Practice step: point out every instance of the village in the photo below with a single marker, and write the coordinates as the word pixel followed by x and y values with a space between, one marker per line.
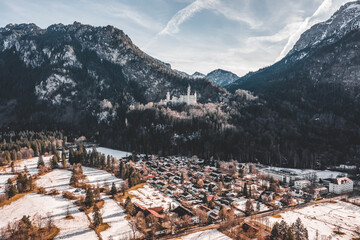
pixel 198 194
pixel 149 197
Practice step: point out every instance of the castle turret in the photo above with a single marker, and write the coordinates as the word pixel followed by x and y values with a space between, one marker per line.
pixel 168 96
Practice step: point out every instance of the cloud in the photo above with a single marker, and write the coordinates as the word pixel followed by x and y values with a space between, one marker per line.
pixel 216 6
pixel 281 35
pixel 181 16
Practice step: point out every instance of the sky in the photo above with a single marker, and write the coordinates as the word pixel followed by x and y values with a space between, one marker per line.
pixel 192 35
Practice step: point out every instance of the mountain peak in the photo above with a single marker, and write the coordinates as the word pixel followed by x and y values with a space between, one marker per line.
pixel 222 77
pixel 198 75
pixel 346 19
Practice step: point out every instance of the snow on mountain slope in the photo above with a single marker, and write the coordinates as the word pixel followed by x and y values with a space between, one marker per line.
pixel 346 19
pixel 222 77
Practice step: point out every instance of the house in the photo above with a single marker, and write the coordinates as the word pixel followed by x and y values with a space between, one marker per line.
pixel 341 185
pixel 301 184
pixel 297 193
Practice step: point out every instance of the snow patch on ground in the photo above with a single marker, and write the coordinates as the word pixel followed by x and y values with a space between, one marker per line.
pixel 3 180
pixel 325 218
pixel 58 179
pixel 96 176
pixel 241 204
pixel 206 235
pixel 30 163
pixel 149 197
pixel 114 215
pixel 35 204
pixel 319 173
pixel 112 152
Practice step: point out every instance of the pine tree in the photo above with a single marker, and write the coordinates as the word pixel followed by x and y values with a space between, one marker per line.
pixel 73 179
pixel 113 190
pixel 14 155
pixel 289 235
pixel 97 218
pixel 89 199
pixel 258 207
pixel 71 156
pixel 130 208
pixel 245 190
pixel 40 161
pixel 97 193
pixel 10 189
pixel 102 161
pixel 54 162
pixel 249 208
pixel 275 232
pixel 63 158
pixel 299 230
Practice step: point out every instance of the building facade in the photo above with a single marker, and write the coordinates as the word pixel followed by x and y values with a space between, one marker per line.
pixel 341 185
pixel 301 184
pixel 188 98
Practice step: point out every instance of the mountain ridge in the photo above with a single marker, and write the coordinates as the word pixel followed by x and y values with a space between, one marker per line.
pixel 64 64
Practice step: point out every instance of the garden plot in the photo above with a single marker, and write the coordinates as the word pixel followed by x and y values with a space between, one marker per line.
pixel 325 218
pixel 149 197
pixel 35 204
pixel 114 215
pixel 241 203
pixel 112 152
pixel 206 235
pixel 96 176
pixel 30 163
pixel 3 180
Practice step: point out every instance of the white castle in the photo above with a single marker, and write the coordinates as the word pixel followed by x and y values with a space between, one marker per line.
pixel 188 99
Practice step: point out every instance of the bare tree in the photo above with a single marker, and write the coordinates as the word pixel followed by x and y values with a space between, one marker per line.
pixel 133 228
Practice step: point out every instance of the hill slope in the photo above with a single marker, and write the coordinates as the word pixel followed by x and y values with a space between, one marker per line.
pixel 73 73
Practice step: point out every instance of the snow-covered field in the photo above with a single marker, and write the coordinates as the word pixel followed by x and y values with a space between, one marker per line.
pixel 355 200
pixel 114 215
pixel 3 180
pixel 35 204
pixel 319 173
pixel 149 197
pixel 96 176
pixel 112 152
pixel 206 235
pixel 30 163
pixel 58 179
pixel 241 203
pixel 325 218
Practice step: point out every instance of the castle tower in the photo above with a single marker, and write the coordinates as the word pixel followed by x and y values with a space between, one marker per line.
pixel 188 95
pixel 168 96
pixel 195 97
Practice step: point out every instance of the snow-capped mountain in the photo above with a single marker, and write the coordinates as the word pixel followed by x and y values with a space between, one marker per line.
pixel 197 75
pixel 83 70
pixel 222 77
pixel 346 19
pixel 316 41
pixel 321 88
pixel 219 76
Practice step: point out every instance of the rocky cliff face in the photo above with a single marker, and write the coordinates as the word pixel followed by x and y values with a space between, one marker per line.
pixel 83 70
